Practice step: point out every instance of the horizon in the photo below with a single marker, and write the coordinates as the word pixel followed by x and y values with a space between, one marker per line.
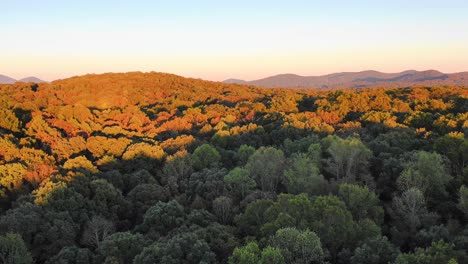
pixel 233 78
pixel 218 41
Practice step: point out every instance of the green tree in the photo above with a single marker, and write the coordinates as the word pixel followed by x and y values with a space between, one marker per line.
pixel 248 254
pixel 455 148
pixel 332 222
pixel 298 246
pixel 361 202
pixel 72 255
pixel 425 172
pixel 463 200
pixel 288 211
pixel 409 210
pixel 377 250
pixel 266 166
pixel 349 158
pixel 161 218
pixel 44 232
pixel 438 252
pixel 238 180
pixel 253 217
pixel 271 255
pixel 122 247
pixel 183 248
pixel 315 153
pixel 205 156
pixel 143 196
pixel 303 175
pixel 97 230
pixel 208 184
pixel 106 200
pixel 178 170
pixel 243 154
pixel 222 208
pixel 13 250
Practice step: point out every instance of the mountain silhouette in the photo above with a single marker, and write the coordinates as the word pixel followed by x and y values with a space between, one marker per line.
pixel 8 80
pixel 360 79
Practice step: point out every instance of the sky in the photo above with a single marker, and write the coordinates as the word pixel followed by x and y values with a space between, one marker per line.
pixel 217 40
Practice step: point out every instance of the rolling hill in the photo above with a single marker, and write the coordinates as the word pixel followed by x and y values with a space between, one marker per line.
pixel 360 80
pixel 8 80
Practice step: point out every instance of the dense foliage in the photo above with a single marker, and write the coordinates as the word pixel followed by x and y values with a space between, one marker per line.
pixel 156 168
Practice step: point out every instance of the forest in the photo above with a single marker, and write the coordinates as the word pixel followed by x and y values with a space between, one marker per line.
pixel 155 168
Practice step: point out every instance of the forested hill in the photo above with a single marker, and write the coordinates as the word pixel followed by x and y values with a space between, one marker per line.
pixel 156 168
pixel 363 79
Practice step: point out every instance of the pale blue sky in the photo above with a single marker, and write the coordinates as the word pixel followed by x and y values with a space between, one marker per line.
pixel 242 39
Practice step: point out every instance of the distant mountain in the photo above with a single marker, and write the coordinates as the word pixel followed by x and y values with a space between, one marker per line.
pixel 31 79
pixel 237 81
pixel 360 80
pixel 8 80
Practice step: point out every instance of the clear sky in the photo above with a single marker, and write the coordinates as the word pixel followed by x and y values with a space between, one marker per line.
pixel 219 39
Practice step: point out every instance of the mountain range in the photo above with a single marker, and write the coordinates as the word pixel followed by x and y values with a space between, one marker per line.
pixel 8 80
pixel 363 79
pixel 342 80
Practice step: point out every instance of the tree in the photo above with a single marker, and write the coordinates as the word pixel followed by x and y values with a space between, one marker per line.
pixel 248 254
pixel 271 255
pixel 251 254
pixel 253 217
pixel 266 166
pixel 122 247
pixel 105 199
pixel 438 252
pixel 161 218
pixel 72 255
pixel 144 196
pixel 425 172
pixel 348 160
pixel 44 232
pixel 208 184
pixel 97 230
pixel 179 168
pixel 455 147
pixel 9 120
pixel 298 246
pixel 143 150
pixel 205 156
pixel 463 200
pixel 375 251
pixel 288 211
pixel 220 238
pixel 239 181
pixel 243 154
pixel 332 222
pixel 222 208
pixel 361 202
pixel 183 248
pixel 315 154
pixel 303 175
pixel 80 164
pixel 300 145
pixel 410 211
pixel 11 177
pixel 13 250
